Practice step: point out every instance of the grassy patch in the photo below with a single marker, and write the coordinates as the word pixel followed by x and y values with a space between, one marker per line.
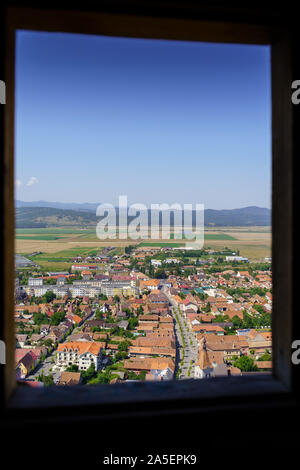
pixel 67 254
pixel 218 236
pixel 162 244
pixel 61 260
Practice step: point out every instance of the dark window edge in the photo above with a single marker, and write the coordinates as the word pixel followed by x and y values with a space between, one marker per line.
pixel 129 399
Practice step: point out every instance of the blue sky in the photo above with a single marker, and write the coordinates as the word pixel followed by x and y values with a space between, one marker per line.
pixel 158 121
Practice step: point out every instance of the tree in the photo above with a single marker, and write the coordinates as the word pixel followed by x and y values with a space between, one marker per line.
pixel 245 364
pixel 120 355
pixel 48 342
pixel 72 368
pixel 237 322
pixel 265 357
pixel 132 323
pixel 40 318
pixel 46 379
pixel 248 321
pixel 160 274
pixel 220 319
pixel 102 377
pixel 21 325
pixel 123 346
pixel 102 297
pixel 259 308
pixel 99 314
pixel 57 318
pixel 142 375
pixel 140 310
pixel 89 373
pixel 49 296
pixel 128 312
pixel 132 375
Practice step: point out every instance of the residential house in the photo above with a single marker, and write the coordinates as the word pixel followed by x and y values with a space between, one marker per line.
pixel 80 353
pixel 21 341
pixel 155 364
pixel 69 378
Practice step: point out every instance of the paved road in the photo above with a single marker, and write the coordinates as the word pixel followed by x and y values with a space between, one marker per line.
pixel 45 366
pixel 190 349
pixel 48 364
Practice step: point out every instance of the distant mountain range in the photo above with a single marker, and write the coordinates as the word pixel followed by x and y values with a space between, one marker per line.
pixel 85 206
pixel 39 214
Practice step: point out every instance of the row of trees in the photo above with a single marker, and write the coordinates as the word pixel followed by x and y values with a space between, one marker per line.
pixel 93 377
pixel 54 320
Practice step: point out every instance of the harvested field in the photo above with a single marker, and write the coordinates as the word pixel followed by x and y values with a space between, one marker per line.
pixel 252 242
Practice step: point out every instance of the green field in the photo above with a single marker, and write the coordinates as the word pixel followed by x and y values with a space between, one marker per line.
pixel 57 231
pixel 61 260
pixel 38 237
pixel 60 244
pixel 66 255
pixel 218 236
pixel 162 244
pixel 209 236
pixel 89 234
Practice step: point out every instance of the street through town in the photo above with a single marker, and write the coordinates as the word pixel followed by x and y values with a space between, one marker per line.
pixel 186 343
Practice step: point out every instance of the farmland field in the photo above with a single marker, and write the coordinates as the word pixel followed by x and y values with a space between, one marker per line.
pixel 210 236
pixel 58 231
pixel 60 244
pixel 218 236
pixel 162 244
pixel 37 237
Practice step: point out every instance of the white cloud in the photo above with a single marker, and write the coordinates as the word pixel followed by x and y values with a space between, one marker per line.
pixel 32 180
pixel 18 183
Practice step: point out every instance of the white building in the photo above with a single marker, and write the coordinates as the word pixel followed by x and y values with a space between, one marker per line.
pixel 38 291
pixel 156 262
pixel 237 258
pixel 35 281
pixel 86 290
pixel 82 354
pixel 60 291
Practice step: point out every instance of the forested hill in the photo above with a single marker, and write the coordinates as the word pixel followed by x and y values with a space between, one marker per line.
pixel 40 217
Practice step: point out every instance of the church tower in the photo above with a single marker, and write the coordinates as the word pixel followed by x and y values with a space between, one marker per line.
pixel 203 368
